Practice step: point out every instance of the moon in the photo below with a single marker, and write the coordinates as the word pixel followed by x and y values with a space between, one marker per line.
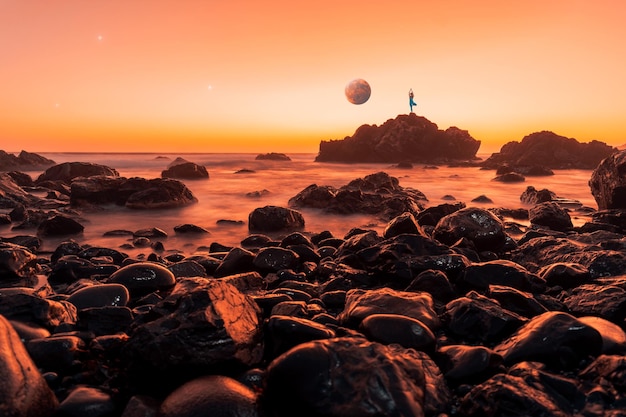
pixel 358 91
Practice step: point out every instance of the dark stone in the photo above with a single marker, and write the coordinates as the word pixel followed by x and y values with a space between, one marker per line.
pixel 363 303
pixel 564 274
pixel 406 138
pixel 187 268
pixel 255 241
pixel 275 219
pixel 31 308
pixel 481 227
pixel 404 223
pixel 476 318
pixel 551 215
pixel 67 171
pixel 161 194
pixel 350 376
pixel 613 336
pixel 284 333
pixel 554 338
pixel 501 272
pixel 100 296
pixel 467 364
pixel 202 324
pixel 237 260
pixel 434 282
pixel 273 259
pixel 393 328
pixel 87 401
pixel 23 161
pixel 550 150
pixel 532 196
pixel 519 302
pixel 186 170
pixel 22 179
pixel 13 196
pixel 189 229
pixel 16 262
pixel 430 216
pixel 143 278
pixel 482 199
pixel 608 182
pixel 56 354
pixel 215 395
pixel 23 391
pixel 272 156
pixel 606 301
pixel 151 232
pixel 106 320
pixel 378 194
pixel 510 177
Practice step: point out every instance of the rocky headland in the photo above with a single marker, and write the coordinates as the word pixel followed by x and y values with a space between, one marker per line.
pixel 407 138
pixel 450 311
pixel 23 161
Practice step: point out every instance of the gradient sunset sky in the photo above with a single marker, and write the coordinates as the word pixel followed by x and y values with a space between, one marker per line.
pixel 263 76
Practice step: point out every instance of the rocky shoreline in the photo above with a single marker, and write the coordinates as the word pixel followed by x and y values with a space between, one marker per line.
pixel 450 311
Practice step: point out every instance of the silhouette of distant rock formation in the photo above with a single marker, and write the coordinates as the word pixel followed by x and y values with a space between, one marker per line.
pixel 25 160
pixel 547 149
pixel 407 138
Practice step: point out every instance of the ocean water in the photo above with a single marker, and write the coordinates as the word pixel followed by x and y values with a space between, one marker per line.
pixel 224 196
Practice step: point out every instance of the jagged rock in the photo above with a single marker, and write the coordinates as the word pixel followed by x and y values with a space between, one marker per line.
pixel 551 215
pixel 533 196
pixel 275 219
pixel 550 150
pixel 481 227
pixel 608 182
pixel 12 195
pixel 16 262
pixel 185 170
pixel 406 138
pixel 510 177
pixel 354 377
pixel 29 307
pixel 379 194
pixel 23 161
pixel 67 171
pixel 501 272
pixel 272 156
pixel 59 225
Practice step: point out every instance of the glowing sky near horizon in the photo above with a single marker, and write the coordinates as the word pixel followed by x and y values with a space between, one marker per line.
pixel 261 76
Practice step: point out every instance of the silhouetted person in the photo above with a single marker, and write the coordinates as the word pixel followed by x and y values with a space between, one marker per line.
pixel 411 102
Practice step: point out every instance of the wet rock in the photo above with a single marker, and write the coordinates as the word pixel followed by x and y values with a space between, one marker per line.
pixel 275 219
pixel 363 303
pixel 67 171
pixel 31 308
pixel 554 338
pixel 189 229
pixel 501 272
pixel 467 364
pixel 613 337
pixel 203 324
pixel 186 170
pixel 551 215
pixel 350 376
pixel 404 331
pixel 430 216
pixel 550 150
pixel 161 194
pixel 141 406
pixel 187 268
pixel 12 195
pixel 237 261
pixel 564 274
pixel 100 296
pixel 404 223
pixel 510 177
pixel 481 227
pixel 22 179
pixel 87 401
pixel 476 318
pixel 532 196
pixel 285 332
pixel 608 182
pixel 608 370
pixel 143 278
pixel 59 225
pixel 217 395
pixel 406 138
pixel 606 301
pixel 378 194
pixel 56 354
pixel 273 259
pixel 482 199
pixel 106 320
pixel 519 302
pixel 23 391
pixel 16 262
pixel 434 282
pixel 272 156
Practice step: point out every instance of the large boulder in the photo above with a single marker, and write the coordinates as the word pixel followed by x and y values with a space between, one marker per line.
pixel 186 170
pixel 378 194
pixel 12 195
pixel 407 138
pixel 608 182
pixel 550 150
pixel 275 219
pixel 67 171
pixel 483 228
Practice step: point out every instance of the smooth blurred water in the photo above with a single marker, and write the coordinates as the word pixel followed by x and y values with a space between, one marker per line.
pixel 223 196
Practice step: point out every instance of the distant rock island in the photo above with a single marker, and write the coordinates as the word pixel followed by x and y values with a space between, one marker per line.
pixel 407 138
pixel 547 149
pixel 23 161
pixel 273 156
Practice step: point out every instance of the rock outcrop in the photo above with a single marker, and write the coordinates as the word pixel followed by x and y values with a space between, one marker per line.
pixel 67 171
pixel 272 156
pixel 185 170
pixel 549 150
pixel 23 161
pixel 608 182
pixel 407 138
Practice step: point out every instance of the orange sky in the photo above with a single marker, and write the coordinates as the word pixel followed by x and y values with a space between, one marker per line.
pixel 261 76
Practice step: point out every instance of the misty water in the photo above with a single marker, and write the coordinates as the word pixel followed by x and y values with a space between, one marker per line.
pixel 224 196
